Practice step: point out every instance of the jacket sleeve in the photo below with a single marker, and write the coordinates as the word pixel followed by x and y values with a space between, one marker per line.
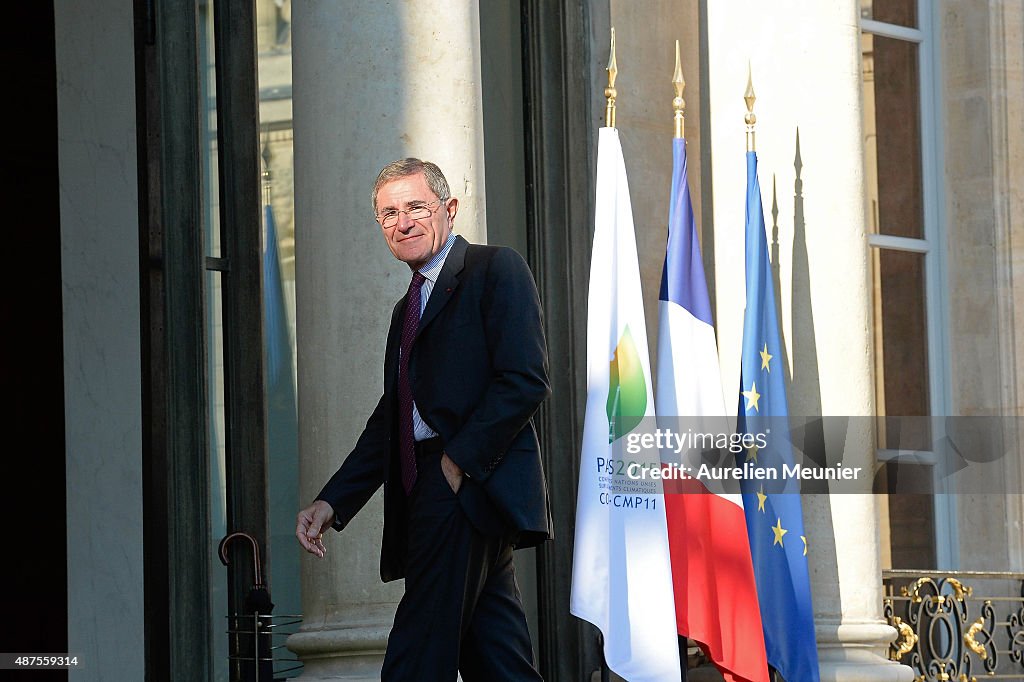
pixel 362 472
pixel 514 333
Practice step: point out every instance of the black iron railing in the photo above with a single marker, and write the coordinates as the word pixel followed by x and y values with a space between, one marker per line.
pixel 957 626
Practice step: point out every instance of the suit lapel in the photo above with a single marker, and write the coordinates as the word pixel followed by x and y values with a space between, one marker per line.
pixel 391 349
pixel 447 281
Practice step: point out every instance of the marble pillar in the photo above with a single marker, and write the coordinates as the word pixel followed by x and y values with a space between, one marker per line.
pixel 372 82
pixel 983 102
pixel 805 61
pixel 99 224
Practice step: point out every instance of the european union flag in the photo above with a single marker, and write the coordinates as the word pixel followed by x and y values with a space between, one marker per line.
pixel 278 341
pixel 282 423
pixel 775 527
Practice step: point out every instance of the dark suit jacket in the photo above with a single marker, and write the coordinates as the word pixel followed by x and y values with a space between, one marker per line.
pixel 478 371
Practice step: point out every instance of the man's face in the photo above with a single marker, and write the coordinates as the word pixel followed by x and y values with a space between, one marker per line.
pixel 415 241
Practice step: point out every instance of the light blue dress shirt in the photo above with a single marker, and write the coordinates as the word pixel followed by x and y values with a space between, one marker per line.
pixel 430 271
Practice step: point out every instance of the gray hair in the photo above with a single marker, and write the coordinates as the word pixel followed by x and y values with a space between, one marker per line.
pixel 403 168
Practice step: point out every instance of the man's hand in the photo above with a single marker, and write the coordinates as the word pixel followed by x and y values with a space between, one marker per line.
pixel 311 523
pixel 452 472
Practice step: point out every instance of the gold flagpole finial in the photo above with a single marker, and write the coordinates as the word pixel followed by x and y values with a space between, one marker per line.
pixel 750 119
pixel 609 92
pixel 678 103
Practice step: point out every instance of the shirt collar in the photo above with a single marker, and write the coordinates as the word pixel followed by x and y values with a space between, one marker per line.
pixel 432 269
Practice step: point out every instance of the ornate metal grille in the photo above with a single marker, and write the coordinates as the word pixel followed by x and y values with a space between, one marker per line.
pixel 957 626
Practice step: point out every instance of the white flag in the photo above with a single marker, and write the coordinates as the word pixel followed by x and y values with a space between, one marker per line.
pixel 622 580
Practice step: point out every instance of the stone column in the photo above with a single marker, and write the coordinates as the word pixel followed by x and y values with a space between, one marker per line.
pixel 806 73
pixel 99 216
pixel 983 91
pixel 372 82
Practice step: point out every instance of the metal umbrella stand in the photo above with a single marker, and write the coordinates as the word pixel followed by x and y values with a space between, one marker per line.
pixel 249 633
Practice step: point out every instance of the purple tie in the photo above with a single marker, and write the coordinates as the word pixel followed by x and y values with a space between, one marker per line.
pixel 406 440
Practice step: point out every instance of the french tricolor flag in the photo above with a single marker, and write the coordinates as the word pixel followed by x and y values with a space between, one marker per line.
pixel 712 574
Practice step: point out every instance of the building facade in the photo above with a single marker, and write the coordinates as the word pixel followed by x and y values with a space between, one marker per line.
pixel 208 388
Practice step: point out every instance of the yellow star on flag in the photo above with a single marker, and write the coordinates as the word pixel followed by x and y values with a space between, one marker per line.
pixel 765 358
pixel 804 538
pixel 779 532
pixel 752 454
pixel 761 497
pixel 752 396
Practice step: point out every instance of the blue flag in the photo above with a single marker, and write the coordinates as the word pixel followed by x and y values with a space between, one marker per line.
pixel 775 527
pixel 282 425
pixel 278 346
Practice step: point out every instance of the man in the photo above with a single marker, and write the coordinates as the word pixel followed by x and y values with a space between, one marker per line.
pixel 452 441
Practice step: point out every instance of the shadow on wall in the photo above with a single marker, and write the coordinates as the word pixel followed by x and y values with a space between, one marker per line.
pixel 800 352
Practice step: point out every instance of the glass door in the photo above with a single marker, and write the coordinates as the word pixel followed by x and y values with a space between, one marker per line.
pixel 250 313
pixel 274 74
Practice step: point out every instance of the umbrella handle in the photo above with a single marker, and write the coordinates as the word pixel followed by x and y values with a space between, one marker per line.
pixel 223 551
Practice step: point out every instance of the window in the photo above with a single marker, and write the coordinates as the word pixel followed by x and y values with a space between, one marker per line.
pixel 904 222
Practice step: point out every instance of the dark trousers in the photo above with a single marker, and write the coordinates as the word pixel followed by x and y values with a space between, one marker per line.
pixel 461 612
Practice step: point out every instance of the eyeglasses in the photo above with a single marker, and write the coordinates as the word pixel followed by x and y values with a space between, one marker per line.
pixel 389 219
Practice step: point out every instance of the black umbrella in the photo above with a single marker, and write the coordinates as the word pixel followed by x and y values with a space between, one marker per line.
pixel 249 639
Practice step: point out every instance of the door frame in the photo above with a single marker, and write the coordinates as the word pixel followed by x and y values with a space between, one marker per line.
pixel 177 550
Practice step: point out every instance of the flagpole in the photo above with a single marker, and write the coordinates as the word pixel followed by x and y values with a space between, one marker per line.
pixel 622 574
pixel 750 119
pixel 678 103
pixel 679 121
pixel 781 572
pixel 609 92
pixel 609 121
